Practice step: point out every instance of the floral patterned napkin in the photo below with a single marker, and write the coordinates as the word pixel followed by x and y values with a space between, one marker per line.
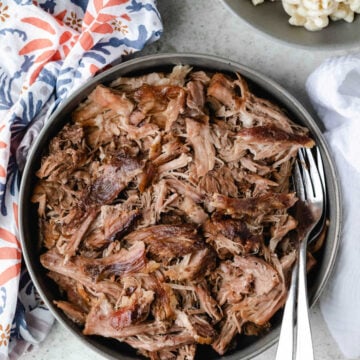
pixel 48 49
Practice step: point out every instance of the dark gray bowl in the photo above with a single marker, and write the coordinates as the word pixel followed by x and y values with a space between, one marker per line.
pixel 248 346
pixel 271 19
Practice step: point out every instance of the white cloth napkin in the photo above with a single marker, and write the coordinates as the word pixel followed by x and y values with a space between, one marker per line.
pixel 334 89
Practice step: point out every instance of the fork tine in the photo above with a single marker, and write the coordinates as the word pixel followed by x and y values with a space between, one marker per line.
pixel 320 167
pixel 308 186
pixel 299 185
pixel 319 228
pixel 314 174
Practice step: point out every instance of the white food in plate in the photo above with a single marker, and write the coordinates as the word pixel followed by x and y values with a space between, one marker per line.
pixel 314 14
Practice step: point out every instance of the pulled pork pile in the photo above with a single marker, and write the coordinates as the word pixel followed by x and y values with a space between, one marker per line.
pixel 164 210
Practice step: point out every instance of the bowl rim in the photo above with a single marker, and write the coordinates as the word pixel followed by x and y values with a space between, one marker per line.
pixel 168 59
pixel 315 47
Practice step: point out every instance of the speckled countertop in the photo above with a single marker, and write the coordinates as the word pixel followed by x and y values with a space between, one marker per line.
pixel 206 26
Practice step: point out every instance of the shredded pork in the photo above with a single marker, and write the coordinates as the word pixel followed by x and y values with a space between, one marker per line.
pixel 165 211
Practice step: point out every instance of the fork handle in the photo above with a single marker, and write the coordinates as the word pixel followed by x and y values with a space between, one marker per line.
pixel 286 345
pixel 304 345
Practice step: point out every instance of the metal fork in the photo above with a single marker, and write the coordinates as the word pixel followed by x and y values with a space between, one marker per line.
pixel 309 182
